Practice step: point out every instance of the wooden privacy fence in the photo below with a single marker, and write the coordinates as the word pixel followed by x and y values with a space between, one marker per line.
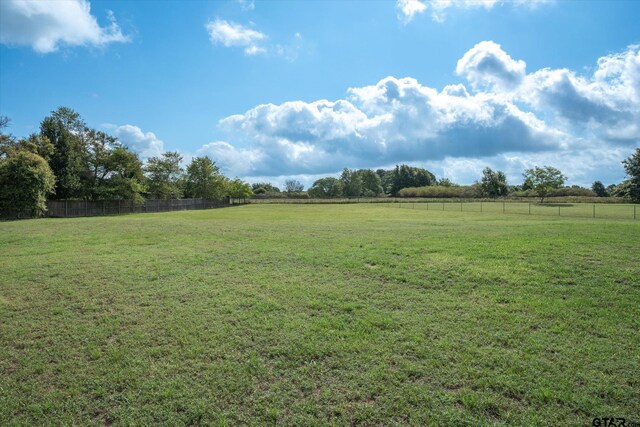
pixel 76 208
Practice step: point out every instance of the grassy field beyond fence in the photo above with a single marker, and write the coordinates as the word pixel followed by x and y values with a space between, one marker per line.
pixel 362 314
pixel 552 207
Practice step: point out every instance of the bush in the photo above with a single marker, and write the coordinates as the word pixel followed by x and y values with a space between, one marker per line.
pixel 572 191
pixel 442 192
pixel 281 195
pixel 25 181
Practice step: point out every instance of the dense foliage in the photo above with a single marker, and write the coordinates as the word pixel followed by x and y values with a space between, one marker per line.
pixel 85 163
pixel 36 182
pixel 543 180
pixel 493 184
pixel 632 167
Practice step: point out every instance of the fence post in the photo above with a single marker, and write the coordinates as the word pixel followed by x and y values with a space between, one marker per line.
pixel 594 210
pixel 481 206
pixel 634 211
pixel 118 206
pixel 86 208
pixel 503 207
pixel 66 214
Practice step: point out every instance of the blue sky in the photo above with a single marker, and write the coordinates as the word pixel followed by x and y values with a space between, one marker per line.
pixel 279 89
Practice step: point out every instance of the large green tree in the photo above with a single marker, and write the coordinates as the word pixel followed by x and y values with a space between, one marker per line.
pixel 126 180
pixel 264 187
pixel 493 184
pixel 203 180
pixel 293 186
pixel 164 176
pixel 351 183
pixel 326 187
pixel 25 181
pixel 543 180
pixel 386 179
pixel 632 167
pixel 405 176
pixel 371 184
pixel 237 189
pixel 114 172
pixel 65 130
pixel 599 188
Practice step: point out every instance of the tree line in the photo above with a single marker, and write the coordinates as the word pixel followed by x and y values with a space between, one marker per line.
pixel 408 181
pixel 67 159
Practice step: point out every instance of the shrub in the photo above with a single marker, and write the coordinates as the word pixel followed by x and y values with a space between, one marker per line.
pixel 440 191
pixel 25 181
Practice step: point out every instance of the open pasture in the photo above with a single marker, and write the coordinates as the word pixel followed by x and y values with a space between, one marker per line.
pixel 362 314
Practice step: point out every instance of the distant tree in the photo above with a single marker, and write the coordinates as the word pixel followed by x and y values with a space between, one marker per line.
pixel 264 187
pixel 164 175
pixel 326 187
pixel 6 139
pixel 25 181
pixel 204 180
pixel 125 180
pixel 493 184
pixel 404 176
pixel 543 180
pixel 371 184
pixel 113 172
pixel 386 179
pixel 237 189
pixel 65 130
pixel 351 183
pixel 632 168
pixel 293 186
pixel 446 182
pixel 599 189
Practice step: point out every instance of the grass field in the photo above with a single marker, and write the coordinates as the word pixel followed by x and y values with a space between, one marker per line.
pixel 319 315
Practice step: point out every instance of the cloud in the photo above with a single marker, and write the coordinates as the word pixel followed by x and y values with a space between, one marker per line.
pixel 605 105
pixel 46 25
pixel 393 121
pixel 230 34
pixel 486 64
pixel 146 144
pixel 246 5
pixel 503 116
pixel 409 8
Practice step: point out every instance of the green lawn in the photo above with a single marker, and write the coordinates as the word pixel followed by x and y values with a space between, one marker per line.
pixel 319 314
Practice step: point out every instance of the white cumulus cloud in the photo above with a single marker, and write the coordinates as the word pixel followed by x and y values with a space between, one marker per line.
pixel 46 25
pixel 502 116
pixel 146 144
pixel 486 64
pixel 230 34
pixel 409 8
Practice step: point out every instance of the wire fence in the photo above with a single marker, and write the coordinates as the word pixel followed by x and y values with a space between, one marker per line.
pixel 80 208
pixel 579 210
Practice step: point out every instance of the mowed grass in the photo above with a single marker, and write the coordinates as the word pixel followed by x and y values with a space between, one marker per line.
pixel 319 315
